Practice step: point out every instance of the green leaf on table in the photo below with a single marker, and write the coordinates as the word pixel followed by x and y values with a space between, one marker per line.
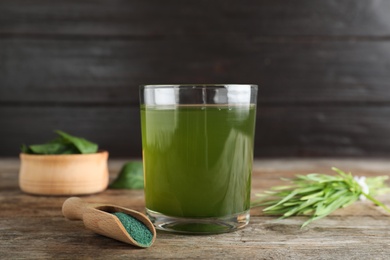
pixel 131 176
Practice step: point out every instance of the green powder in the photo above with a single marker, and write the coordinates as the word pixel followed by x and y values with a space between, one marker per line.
pixel 136 229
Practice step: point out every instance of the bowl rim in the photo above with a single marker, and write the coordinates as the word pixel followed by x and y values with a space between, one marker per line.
pixel 27 155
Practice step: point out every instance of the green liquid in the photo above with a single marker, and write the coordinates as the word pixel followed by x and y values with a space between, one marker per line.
pixel 198 159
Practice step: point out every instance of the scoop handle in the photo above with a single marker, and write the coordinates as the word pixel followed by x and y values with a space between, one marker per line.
pixel 74 208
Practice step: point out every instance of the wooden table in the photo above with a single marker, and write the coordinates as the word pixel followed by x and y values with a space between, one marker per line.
pixel 33 226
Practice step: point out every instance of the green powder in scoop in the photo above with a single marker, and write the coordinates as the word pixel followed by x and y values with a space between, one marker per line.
pixel 136 229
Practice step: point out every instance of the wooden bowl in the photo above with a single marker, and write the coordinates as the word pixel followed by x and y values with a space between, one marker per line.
pixel 68 174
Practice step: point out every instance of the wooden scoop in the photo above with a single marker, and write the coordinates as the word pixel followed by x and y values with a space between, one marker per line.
pixel 98 218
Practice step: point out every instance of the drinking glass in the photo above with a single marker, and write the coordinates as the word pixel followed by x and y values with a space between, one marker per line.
pixel 197 146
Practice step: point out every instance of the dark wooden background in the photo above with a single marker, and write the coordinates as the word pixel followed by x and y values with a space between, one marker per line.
pixel 323 68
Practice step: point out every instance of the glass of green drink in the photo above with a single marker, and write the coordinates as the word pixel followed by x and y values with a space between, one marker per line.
pixel 197 144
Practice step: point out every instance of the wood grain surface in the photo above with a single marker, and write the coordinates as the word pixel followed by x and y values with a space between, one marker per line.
pixel 322 68
pixel 32 227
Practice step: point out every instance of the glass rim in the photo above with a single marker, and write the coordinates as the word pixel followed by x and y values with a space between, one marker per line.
pixel 175 94
pixel 196 85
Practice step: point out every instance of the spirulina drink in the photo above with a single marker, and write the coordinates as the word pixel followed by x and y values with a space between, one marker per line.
pixel 198 159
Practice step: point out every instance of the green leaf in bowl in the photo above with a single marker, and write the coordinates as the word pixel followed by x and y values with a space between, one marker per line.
pixel 83 145
pixel 51 148
pixel 63 144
